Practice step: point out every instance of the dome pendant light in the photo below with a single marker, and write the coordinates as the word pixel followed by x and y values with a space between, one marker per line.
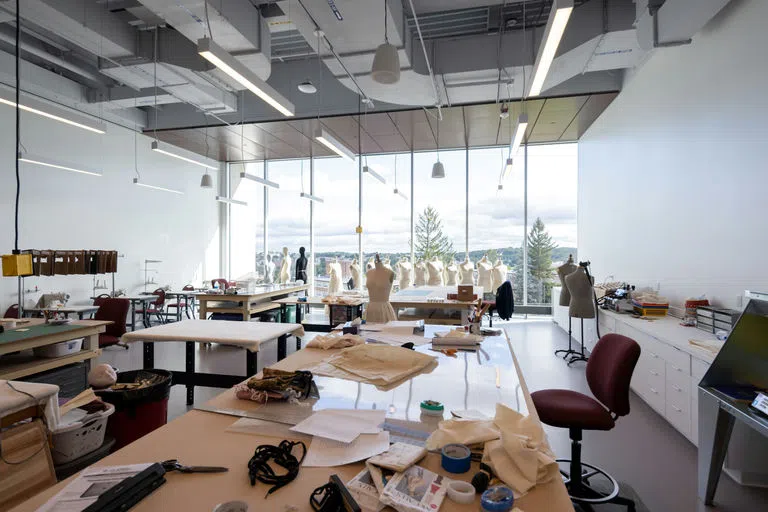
pixel 206 181
pixel 307 87
pixel 438 169
pixel 386 62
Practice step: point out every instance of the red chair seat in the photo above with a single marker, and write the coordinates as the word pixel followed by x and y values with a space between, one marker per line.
pixel 151 311
pixel 568 409
pixel 105 340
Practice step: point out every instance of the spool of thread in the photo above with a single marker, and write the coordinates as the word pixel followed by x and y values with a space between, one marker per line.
pixel 432 408
pixel 497 499
pixel 456 458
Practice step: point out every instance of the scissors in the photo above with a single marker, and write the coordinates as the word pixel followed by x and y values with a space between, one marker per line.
pixel 174 465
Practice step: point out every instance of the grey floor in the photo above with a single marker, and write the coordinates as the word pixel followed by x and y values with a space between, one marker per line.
pixel 656 462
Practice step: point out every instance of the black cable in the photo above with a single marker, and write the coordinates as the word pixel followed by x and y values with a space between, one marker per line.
pixel 259 468
pixel 18 131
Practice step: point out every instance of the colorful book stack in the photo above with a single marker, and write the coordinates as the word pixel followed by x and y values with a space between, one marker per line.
pixel 645 308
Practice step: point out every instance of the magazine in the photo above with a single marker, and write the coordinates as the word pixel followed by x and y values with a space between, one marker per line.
pixel 415 490
pixel 399 457
pixel 365 492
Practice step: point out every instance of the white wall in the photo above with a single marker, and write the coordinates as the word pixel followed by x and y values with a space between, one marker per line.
pixel 63 210
pixel 673 177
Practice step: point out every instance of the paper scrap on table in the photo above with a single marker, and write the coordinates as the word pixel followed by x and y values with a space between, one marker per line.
pixel 266 428
pixel 327 453
pixel 365 492
pixel 395 339
pixel 343 425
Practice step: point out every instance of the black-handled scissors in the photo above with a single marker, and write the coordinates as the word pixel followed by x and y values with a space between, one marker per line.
pixel 174 465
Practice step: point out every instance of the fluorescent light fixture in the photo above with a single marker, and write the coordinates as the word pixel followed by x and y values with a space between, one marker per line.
pixel 374 174
pixel 145 185
pixel 258 179
pixel 26 106
pixel 47 162
pixel 553 33
pixel 227 200
pixel 161 149
pixel 401 194
pixel 236 70
pixel 312 198
pixel 326 139
pixel 507 169
pixel 517 136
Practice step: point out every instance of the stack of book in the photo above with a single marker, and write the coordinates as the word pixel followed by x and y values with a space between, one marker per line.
pixel 646 308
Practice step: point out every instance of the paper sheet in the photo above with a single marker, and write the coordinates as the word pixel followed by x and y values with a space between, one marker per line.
pixel 394 339
pixel 327 453
pixel 266 428
pixel 342 425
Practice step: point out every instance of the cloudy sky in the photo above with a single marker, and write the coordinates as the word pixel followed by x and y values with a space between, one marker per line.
pixel 495 217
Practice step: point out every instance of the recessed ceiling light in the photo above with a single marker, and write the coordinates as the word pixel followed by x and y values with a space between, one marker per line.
pixel 307 87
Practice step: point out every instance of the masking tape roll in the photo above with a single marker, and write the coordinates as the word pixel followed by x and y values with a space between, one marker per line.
pixel 456 458
pixel 461 492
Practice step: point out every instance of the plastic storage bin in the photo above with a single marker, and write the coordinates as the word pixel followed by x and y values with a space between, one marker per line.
pixel 80 438
pixel 59 349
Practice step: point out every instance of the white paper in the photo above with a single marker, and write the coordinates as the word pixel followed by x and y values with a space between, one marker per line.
pixel 87 488
pixel 266 428
pixel 343 425
pixel 326 453
pixel 394 339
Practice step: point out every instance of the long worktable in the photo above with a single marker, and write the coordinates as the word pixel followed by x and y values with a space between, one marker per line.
pixel 350 308
pixel 199 437
pixel 430 303
pixel 246 304
pixel 247 335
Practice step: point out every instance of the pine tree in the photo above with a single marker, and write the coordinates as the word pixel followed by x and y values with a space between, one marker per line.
pixel 540 271
pixel 430 239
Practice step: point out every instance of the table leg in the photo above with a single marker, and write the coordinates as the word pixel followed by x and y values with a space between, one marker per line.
pixel 252 358
pixel 133 315
pixel 149 355
pixel 203 310
pixel 80 315
pixel 298 313
pixel 281 348
pixel 283 313
pixel 246 312
pixel 298 343
pixel 190 369
pixel 715 426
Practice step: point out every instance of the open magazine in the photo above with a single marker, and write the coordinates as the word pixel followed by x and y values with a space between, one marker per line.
pixel 415 490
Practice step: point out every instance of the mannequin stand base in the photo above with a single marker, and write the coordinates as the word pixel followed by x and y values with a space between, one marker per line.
pixel 566 353
pixel 577 357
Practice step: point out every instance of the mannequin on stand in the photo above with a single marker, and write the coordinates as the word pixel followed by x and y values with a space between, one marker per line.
pixel 336 285
pixel 498 275
pixel 387 264
pixel 484 274
pixel 370 265
pixel 406 273
pixel 582 304
pixel 269 270
pixel 285 267
pixel 354 269
pixel 420 271
pixel 379 283
pixel 467 271
pixel 301 266
pixel 452 274
pixel 435 271
pixel 568 268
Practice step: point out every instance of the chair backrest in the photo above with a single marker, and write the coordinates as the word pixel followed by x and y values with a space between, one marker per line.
pixel 98 301
pixel 160 301
pixel 222 283
pixel 188 288
pixel 609 371
pixel 12 312
pixel 116 311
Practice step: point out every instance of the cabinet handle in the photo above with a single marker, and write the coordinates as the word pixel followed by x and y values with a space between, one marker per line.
pixel 676 388
pixel 654 391
pixel 654 372
pixel 678 410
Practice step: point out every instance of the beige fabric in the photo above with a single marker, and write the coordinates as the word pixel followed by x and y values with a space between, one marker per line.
pixel 463 432
pixel 379 283
pixel 240 334
pixel 46 395
pixel 522 458
pixel 335 340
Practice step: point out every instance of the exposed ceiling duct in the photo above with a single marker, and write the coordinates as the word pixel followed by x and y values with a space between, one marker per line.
pixel 673 22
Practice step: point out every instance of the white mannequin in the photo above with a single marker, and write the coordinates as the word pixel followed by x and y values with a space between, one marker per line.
pixel 354 268
pixel 498 275
pixel 435 269
pixel 451 274
pixel 335 286
pixel 387 264
pixel 370 265
pixel 406 273
pixel 269 270
pixel 420 271
pixel 467 272
pixel 379 281
pixel 484 274
pixel 285 268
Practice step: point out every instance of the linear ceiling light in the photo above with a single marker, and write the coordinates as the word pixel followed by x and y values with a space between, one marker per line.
pixel 227 200
pixel 326 139
pixel 223 60
pixel 258 179
pixel 312 198
pixel 26 106
pixel 145 185
pixel 47 162
pixel 161 149
pixel 401 194
pixel 507 169
pixel 553 33
pixel 517 136
pixel 369 170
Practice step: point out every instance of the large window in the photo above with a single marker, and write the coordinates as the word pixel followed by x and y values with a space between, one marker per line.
pixel 288 222
pixel 247 224
pixel 552 180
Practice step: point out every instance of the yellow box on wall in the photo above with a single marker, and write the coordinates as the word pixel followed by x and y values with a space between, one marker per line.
pixel 17 265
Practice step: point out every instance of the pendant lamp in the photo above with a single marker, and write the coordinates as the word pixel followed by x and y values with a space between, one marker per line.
pixel 438 169
pixel 386 62
pixel 206 181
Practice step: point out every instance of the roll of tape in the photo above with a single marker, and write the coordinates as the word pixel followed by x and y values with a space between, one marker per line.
pixel 497 499
pixel 456 458
pixel 461 492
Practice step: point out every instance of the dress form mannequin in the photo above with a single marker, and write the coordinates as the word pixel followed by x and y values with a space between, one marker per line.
pixel 420 271
pixel 406 273
pixel 387 264
pixel 269 270
pixel 285 268
pixel 370 265
pixel 467 272
pixel 435 270
pixel 568 268
pixel 335 286
pixel 354 269
pixel 301 266
pixel 498 275
pixel 582 303
pixel 379 283
pixel 484 274
pixel 451 274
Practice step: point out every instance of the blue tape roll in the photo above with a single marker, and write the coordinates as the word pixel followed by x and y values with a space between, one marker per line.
pixel 456 458
pixel 497 499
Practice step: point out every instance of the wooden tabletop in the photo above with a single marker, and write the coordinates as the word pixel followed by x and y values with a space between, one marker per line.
pixel 318 301
pixel 261 292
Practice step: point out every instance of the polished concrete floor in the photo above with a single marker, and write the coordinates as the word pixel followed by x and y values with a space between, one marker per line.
pixel 644 451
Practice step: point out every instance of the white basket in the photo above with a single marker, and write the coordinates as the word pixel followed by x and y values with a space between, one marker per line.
pixel 80 438
pixel 59 349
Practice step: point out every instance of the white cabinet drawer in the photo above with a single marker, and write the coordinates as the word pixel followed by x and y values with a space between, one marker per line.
pixel 607 324
pixel 698 369
pixel 680 361
pixel 652 388
pixel 674 367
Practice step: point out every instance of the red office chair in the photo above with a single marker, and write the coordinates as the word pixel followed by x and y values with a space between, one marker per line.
pixel 183 303
pixel 609 371
pixel 156 307
pixel 115 311
pixel 12 312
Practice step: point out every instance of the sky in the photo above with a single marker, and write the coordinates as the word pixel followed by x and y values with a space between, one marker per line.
pixel 495 216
